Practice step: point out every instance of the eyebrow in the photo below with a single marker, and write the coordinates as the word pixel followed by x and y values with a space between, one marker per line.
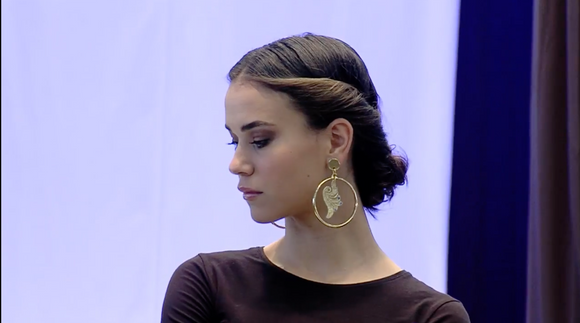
pixel 252 125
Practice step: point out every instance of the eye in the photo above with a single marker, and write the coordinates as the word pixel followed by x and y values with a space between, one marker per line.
pixel 233 143
pixel 260 143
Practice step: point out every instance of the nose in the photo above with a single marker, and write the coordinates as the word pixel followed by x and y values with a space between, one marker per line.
pixel 240 165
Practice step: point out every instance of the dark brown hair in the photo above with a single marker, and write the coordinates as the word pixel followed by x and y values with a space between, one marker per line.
pixel 326 79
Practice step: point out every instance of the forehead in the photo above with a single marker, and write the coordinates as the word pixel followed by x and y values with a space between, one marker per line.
pixel 248 102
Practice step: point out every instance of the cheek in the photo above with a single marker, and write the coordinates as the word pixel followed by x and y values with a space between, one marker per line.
pixel 290 173
pixel 282 167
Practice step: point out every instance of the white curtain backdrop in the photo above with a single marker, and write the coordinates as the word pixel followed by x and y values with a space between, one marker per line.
pixel 114 155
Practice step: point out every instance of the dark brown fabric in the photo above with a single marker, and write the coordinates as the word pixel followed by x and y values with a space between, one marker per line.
pixel 554 222
pixel 244 286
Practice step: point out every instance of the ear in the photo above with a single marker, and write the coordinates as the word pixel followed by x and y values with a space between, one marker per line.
pixel 341 133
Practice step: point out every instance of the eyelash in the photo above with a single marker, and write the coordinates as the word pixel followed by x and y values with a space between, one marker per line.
pixel 257 143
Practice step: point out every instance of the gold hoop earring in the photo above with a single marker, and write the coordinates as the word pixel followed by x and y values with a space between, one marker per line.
pixel 278 226
pixel 332 197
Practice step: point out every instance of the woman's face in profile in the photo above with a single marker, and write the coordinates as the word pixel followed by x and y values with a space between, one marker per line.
pixel 278 159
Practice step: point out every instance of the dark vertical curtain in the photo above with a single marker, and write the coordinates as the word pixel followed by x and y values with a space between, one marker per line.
pixel 489 192
pixel 554 218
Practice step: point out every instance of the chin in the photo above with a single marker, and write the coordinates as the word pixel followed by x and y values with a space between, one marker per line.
pixel 264 217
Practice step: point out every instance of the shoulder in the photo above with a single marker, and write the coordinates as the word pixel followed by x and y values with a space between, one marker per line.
pixel 451 311
pixel 194 286
pixel 223 257
pixel 230 256
pixel 428 304
pixel 225 260
pixel 210 266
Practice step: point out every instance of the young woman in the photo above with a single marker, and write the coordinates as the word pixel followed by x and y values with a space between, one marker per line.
pixel 310 148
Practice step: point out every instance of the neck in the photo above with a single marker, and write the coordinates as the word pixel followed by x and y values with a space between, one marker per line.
pixel 316 252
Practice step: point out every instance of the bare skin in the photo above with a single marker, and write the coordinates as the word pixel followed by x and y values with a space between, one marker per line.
pixel 280 161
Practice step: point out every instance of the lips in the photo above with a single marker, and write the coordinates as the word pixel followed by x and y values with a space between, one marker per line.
pixel 249 194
